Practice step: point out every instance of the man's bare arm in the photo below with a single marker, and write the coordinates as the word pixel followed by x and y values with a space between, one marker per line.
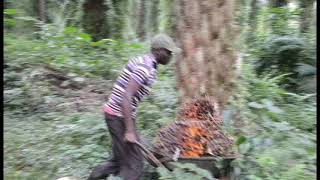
pixel 132 88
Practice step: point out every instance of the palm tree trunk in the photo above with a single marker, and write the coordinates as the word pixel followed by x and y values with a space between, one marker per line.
pixel 206 66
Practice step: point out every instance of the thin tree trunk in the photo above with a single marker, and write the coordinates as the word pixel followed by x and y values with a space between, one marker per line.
pixel 141 22
pixel 131 20
pixel 205 34
pixel 252 22
pixel 42 10
pixel 154 16
pixel 118 21
pixel 306 16
pixel 172 25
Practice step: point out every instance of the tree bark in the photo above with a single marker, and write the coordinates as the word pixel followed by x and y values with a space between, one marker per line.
pixel 154 22
pixel 42 10
pixel 306 16
pixel 252 21
pixel 141 22
pixel 206 65
pixel 94 18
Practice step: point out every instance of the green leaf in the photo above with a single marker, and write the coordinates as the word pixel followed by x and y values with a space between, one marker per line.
pixel 85 36
pixel 108 40
pixel 70 30
pixel 136 46
pixel 10 11
pixel 98 43
pixel 267 161
pixel 10 22
pixel 241 140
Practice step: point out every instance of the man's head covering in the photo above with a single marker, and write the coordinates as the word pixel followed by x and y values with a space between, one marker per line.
pixel 164 41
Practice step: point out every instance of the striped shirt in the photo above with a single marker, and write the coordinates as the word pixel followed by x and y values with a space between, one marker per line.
pixel 143 70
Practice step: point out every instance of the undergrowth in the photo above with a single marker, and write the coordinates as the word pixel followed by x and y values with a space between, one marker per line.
pixel 54 127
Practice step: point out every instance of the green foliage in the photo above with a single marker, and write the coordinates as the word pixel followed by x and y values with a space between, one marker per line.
pixel 74 50
pixel 276 138
pixel 184 171
pixel 279 18
pixel 57 146
pixel 10 11
pixel 9 22
pixel 65 13
pixel 306 78
pixel 280 54
pixel 54 141
pixel 166 18
pixel 277 135
pixel 279 47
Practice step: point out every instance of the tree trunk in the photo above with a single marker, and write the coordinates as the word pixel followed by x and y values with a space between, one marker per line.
pixel 252 21
pixel 154 13
pixel 131 17
pixel 117 21
pixel 206 65
pixel 306 16
pixel 94 18
pixel 167 19
pixel 42 10
pixel 141 22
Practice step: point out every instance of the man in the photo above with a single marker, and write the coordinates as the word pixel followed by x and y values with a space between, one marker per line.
pixel 120 110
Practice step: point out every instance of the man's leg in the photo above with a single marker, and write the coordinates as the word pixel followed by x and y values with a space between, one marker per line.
pixel 111 166
pixel 132 167
pixel 104 170
pixel 128 155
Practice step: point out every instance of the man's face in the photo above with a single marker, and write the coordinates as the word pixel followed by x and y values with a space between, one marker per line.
pixel 164 56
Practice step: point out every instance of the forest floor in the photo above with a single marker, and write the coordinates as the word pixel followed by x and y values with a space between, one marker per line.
pixel 50 118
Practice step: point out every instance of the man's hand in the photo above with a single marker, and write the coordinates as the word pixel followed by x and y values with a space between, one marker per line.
pixel 130 137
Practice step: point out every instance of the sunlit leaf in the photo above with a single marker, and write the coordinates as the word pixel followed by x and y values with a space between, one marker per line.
pixel 70 30
pixel 85 36
pixel 10 11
